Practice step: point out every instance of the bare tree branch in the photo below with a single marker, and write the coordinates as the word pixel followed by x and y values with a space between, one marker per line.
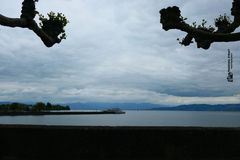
pixel 12 22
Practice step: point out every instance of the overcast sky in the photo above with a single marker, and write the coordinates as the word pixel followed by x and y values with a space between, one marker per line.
pixel 116 51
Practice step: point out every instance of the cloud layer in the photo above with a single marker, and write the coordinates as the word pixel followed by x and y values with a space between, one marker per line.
pixel 116 51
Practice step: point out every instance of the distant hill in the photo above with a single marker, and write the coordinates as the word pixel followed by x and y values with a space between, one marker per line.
pixel 201 107
pixel 149 106
pixel 123 106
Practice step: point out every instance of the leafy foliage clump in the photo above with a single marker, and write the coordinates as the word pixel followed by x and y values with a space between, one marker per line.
pixel 223 21
pixel 54 25
pixel 203 26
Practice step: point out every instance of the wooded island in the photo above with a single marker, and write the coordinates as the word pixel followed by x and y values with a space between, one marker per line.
pixel 38 107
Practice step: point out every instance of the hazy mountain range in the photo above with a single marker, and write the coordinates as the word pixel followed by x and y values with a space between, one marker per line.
pixel 202 107
pixel 149 106
pixel 123 106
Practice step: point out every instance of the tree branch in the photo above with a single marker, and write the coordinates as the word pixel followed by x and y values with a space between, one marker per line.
pixel 12 22
pixel 216 37
pixel 171 19
pixel 27 21
pixel 47 40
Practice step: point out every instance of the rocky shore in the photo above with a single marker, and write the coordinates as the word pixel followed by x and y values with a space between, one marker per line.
pixel 24 142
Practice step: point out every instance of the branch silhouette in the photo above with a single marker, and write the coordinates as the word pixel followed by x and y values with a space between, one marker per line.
pixel 50 31
pixel 204 36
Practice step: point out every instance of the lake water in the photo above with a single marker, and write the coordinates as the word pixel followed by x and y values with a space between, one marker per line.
pixel 134 118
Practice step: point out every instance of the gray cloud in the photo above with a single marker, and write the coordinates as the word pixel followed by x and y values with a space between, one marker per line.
pixel 116 51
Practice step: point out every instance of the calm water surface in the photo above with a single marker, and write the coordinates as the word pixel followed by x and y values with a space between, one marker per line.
pixel 134 118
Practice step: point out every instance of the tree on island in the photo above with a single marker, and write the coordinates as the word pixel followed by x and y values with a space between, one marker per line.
pixel 38 107
pixel 203 35
pixel 50 30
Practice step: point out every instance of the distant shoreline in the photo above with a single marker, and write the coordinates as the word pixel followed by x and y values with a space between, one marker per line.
pixel 56 113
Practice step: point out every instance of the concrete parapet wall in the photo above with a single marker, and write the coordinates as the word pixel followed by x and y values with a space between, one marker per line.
pixel 72 143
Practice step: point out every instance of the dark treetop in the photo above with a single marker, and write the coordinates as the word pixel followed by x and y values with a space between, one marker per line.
pixel 38 107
